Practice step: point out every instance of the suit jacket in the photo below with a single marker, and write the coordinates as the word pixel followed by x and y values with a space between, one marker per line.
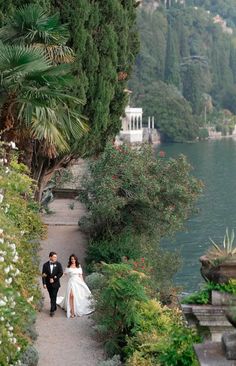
pixel 56 274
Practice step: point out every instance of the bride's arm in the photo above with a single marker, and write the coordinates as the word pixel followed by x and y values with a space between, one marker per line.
pixel 80 274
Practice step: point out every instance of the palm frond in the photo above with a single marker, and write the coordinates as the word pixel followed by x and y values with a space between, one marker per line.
pixel 32 24
pixel 60 54
pixel 43 123
pixel 16 61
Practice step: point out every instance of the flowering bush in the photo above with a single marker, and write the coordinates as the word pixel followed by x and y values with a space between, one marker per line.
pixel 20 229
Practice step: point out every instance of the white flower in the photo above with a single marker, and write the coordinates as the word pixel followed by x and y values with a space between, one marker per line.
pixel 14 340
pixel 2 259
pixel 1 231
pixel 1 240
pixel 12 246
pixel 13 304
pixel 2 303
pixel 17 272
pixel 1 197
pixel 8 280
pixel 2 318
pixel 15 259
pixel 13 145
pixel 7 170
pixel 30 299
pixel 7 269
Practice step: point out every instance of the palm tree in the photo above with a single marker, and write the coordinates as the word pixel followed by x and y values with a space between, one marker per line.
pixel 36 109
pixel 32 25
pixel 45 122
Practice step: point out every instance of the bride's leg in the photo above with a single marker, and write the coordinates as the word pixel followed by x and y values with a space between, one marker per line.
pixel 72 312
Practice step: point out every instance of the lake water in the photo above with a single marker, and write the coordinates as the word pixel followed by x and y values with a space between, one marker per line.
pixel 214 162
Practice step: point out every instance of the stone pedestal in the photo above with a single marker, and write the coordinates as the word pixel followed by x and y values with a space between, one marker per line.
pixel 229 345
pixel 210 317
pixel 212 354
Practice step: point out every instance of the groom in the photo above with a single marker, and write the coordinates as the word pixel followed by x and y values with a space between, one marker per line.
pixel 51 273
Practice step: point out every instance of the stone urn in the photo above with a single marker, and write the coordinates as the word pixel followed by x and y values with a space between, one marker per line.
pixel 218 271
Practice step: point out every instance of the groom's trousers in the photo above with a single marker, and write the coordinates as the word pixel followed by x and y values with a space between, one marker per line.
pixel 53 297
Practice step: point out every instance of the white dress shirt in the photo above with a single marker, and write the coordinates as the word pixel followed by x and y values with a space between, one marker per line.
pixel 51 267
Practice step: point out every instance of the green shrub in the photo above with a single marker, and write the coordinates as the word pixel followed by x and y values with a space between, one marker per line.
pixel 116 304
pixel 229 287
pixel 199 297
pixel 114 361
pixel 114 249
pixel 30 357
pixel 131 188
pixel 203 296
pixel 167 340
pixel 95 280
pixel 203 133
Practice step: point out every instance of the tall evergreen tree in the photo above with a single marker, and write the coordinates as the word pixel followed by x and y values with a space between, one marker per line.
pixel 105 39
pixel 196 81
pixel 172 66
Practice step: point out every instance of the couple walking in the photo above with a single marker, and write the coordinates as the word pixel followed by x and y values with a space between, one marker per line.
pixel 77 300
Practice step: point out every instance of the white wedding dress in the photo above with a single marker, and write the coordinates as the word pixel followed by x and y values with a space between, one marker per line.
pixel 83 302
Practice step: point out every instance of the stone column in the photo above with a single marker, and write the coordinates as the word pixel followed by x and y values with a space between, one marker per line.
pixel 153 122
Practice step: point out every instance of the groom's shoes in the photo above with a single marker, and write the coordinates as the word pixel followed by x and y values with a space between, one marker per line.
pixel 52 313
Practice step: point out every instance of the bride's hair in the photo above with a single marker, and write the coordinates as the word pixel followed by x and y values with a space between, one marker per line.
pixel 76 260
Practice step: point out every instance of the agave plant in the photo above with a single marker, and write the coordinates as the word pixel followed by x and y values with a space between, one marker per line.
pixel 226 249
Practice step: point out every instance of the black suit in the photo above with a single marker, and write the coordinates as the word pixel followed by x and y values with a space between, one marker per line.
pixel 52 287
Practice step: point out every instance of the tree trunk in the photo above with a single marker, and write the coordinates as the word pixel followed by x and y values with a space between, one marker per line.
pixel 43 169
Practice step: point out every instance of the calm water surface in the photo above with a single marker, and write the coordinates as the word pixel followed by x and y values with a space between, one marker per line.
pixel 214 162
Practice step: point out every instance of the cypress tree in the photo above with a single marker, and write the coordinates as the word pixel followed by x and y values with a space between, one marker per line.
pixel 104 37
pixel 172 67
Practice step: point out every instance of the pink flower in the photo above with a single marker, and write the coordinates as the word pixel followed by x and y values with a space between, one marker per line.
pixel 162 154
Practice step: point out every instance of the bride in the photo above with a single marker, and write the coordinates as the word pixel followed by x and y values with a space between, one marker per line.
pixel 77 300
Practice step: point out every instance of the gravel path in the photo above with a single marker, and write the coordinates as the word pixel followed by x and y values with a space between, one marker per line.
pixel 63 341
